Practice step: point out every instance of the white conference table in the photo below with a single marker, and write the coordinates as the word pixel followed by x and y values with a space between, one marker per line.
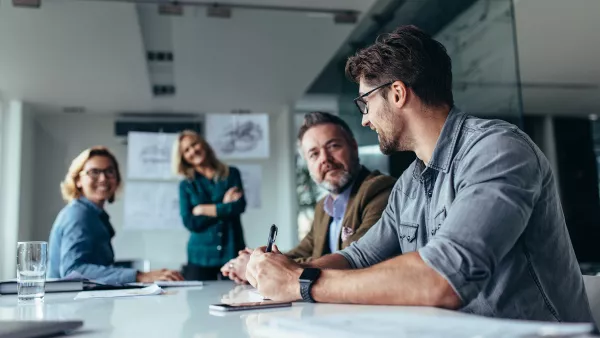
pixel 181 312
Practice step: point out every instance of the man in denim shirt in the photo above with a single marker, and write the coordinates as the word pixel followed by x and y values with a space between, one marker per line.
pixel 474 224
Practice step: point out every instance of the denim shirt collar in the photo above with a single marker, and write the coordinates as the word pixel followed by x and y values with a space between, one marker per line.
pixel 104 217
pixel 444 148
pixel 91 205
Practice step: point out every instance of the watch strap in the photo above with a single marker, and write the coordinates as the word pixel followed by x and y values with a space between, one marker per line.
pixel 305 289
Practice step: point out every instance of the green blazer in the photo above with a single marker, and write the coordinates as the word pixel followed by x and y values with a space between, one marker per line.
pixel 213 240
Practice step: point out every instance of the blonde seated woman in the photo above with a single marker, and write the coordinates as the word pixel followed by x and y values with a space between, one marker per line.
pixel 81 234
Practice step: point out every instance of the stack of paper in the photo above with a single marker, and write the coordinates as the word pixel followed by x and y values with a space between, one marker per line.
pixel 395 324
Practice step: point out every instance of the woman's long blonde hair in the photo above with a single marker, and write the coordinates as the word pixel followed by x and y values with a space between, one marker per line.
pixel 182 167
pixel 68 187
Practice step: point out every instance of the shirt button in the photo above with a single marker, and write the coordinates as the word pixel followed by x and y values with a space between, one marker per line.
pixel 220 234
pixel 219 247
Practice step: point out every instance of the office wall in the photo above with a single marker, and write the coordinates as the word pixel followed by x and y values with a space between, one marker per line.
pixel 17 143
pixel 59 138
pixel 28 171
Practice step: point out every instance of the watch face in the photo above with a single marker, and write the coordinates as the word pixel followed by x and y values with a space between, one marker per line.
pixel 310 275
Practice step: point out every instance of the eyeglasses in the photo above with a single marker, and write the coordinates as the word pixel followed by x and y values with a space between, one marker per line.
pixel 95 173
pixel 362 104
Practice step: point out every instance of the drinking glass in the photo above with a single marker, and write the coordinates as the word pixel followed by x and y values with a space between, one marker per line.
pixel 31 270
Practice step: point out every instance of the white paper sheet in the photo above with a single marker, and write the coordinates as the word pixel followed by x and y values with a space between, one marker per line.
pixel 149 155
pixel 252 180
pixel 171 284
pixel 404 324
pixel 147 291
pixel 238 135
pixel 152 205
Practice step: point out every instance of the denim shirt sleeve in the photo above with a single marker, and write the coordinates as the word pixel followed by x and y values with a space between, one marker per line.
pixel 379 243
pixel 497 183
pixel 76 253
pixel 237 207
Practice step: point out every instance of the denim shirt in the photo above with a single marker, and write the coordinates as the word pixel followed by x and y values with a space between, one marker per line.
pixel 80 243
pixel 485 214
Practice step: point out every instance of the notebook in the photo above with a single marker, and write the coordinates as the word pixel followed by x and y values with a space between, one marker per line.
pixel 66 285
pixel 52 285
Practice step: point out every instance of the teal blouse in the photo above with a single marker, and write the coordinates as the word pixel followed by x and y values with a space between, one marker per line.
pixel 213 240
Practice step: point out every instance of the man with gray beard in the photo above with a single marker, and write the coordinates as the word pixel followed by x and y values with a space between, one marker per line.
pixel 356 198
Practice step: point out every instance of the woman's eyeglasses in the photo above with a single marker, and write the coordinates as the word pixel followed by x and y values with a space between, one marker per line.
pixel 95 173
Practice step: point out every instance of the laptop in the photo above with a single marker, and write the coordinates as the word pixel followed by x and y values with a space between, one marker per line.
pixel 32 329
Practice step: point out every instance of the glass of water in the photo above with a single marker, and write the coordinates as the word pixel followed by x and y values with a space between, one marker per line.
pixel 31 270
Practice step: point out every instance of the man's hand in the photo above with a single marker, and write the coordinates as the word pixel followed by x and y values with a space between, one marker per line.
pixel 232 195
pixel 274 275
pixel 235 269
pixel 164 275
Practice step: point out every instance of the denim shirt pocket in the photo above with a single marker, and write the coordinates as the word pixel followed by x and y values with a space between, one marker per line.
pixel 438 221
pixel 408 236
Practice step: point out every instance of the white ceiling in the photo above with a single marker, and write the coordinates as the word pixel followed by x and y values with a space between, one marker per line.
pixel 92 54
pixel 72 53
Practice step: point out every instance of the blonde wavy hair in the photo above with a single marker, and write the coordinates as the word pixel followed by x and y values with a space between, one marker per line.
pixel 182 167
pixel 68 187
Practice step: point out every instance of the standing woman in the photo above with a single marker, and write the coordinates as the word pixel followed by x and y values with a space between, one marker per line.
pixel 211 199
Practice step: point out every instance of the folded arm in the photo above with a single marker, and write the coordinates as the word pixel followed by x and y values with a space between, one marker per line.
pixel 236 207
pixel 194 223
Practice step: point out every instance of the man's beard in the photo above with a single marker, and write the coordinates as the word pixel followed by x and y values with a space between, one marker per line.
pixel 388 145
pixel 344 182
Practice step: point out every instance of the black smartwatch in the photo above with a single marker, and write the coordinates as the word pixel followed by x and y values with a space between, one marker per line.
pixel 307 279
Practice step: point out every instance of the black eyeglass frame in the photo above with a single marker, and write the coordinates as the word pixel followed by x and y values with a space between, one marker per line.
pixel 95 173
pixel 360 99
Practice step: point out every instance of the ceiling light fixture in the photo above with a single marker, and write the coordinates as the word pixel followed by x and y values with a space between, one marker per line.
pixel 218 11
pixel 224 10
pixel 171 8
pixel 345 18
pixel 27 3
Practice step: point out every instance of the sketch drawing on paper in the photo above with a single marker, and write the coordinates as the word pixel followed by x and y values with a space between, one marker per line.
pixel 155 154
pixel 149 155
pixel 238 135
pixel 152 205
